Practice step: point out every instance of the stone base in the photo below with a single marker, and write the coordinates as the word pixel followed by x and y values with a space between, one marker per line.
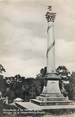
pixel 50 99
pixel 50 103
pixel 51 95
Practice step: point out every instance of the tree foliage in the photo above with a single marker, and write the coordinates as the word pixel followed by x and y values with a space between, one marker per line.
pixel 71 89
pixel 65 75
pixel 2 69
pixel 63 72
pixel 20 87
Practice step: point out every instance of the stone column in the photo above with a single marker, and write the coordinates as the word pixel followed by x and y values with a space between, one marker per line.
pixel 50 16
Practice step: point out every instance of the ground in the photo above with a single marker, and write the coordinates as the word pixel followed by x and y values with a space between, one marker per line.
pixel 63 115
pixel 69 114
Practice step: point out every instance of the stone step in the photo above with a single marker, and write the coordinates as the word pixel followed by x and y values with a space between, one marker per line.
pixel 34 107
pixel 51 95
pixel 48 103
pixel 50 98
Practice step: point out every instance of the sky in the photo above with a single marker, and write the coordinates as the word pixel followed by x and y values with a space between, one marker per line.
pixel 23 35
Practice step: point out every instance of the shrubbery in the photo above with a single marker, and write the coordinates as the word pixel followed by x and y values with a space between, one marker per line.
pixel 18 86
pixel 29 88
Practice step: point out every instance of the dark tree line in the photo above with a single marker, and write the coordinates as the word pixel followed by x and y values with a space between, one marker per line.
pixel 18 86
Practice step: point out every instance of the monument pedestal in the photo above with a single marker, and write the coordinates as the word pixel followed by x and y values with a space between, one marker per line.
pixel 51 94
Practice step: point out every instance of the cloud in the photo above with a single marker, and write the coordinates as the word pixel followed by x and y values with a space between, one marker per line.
pixel 23 34
pixel 15 65
pixel 65 53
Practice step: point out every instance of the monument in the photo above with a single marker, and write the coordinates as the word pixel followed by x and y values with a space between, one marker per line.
pixel 51 97
pixel 51 93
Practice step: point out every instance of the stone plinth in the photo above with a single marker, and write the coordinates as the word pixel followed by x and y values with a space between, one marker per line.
pixel 51 94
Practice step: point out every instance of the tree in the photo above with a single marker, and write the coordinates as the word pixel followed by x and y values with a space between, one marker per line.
pixel 2 69
pixel 63 72
pixel 2 82
pixel 71 89
pixel 43 71
pixel 65 75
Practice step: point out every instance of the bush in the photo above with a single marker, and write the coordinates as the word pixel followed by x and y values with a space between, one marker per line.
pixel 71 93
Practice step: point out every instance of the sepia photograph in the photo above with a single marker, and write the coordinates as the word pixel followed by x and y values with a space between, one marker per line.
pixel 37 58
